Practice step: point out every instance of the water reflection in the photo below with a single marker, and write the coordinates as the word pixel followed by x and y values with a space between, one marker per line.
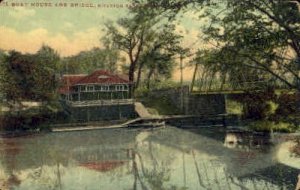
pixel 247 140
pixel 169 158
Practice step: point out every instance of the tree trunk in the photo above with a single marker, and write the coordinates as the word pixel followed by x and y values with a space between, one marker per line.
pixel 131 80
pixel 149 77
pixel 138 80
pixel 131 73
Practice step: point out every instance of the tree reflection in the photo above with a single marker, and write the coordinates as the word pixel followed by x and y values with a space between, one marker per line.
pixel 247 141
pixel 151 178
pixel 198 171
pixel 170 159
pixel 151 174
pixel 35 167
pixel 10 150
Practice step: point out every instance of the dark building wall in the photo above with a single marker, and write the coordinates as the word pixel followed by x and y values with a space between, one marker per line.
pixel 100 113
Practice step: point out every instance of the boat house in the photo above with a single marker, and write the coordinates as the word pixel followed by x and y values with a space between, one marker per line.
pixel 97 96
pixel 100 85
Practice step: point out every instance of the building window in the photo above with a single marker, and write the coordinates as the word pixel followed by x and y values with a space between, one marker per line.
pixel 82 88
pixel 119 87
pixel 76 89
pixel 90 88
pixel 103 77
pixel 105 88
pixel 98 88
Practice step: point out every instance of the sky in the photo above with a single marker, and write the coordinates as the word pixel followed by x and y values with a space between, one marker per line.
pixel 25 26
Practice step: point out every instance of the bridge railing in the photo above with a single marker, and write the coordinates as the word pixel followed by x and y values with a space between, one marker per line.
pixel 240 86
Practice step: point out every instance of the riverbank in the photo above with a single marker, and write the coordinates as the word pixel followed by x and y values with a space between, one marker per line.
pixel 40 121
pixel 181 121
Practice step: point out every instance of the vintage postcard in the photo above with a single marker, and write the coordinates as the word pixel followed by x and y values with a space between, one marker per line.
pixel 149 94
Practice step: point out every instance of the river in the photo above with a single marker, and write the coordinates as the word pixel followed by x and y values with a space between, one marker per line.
pixel 166 158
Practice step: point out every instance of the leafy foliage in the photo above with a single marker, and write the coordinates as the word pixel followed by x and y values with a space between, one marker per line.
pixel 30 76
pixel 88 61
pixel 288 104
pixel 150 44
pixel 268 126
pixel 257 105
pixel 261 35
pixel 249 36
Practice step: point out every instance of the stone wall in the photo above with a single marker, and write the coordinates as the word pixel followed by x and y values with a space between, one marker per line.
pixel 204 104
pixel 100 113
pixel 174 94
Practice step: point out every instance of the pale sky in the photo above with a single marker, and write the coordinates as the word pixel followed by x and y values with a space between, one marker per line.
pixel 70 30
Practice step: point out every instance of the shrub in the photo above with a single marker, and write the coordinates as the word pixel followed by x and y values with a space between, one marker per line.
pixel 268 126
pixel 258 105
pixel 288 104
pixel 141 92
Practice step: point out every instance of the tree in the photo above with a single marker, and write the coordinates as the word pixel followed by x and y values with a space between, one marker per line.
pixel 131 41
pixel 88 61
pixel 15 80
pixel 262 35
pixel 159 54
pixel 30 76
pixel 2 73
pixel 45 73
pixel 159 64
pixel 141 37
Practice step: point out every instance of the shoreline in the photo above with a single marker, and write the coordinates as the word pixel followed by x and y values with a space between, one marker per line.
pixel 180 121
pixel 20 134
pixel 87 128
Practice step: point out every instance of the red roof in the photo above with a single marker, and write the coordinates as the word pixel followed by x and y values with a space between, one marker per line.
pixel 67 81
pixel 102 77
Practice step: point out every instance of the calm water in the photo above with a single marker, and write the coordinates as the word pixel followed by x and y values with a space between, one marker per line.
pixel 169 158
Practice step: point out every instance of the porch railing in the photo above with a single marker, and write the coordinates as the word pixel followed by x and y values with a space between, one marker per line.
pixel 99 102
